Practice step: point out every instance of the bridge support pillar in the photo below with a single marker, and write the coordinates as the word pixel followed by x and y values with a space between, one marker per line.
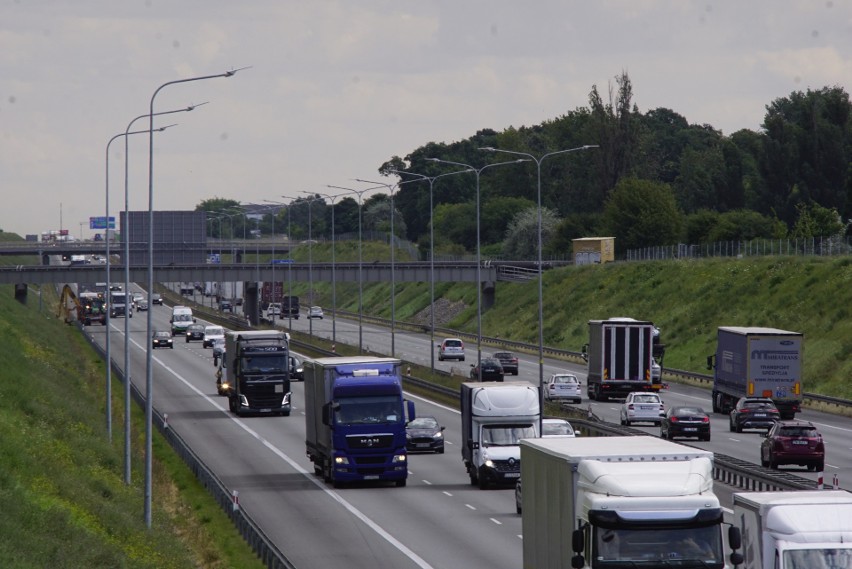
pixel 488 293
pixel 251 302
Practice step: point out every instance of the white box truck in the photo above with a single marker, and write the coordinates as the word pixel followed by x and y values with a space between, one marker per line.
pixel 495 417
pixel 597 502
pixel 805 529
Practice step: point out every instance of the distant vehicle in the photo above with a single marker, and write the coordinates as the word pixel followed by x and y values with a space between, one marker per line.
pixel 218 351
pixel 793 442
pixel 297 369
pixel 187 288
pixel 563 386
pixel 642 407
pixel 115 286
pixel 226 305
pixel 509 361
pixel 685 421
pixel 141 304
pixel 620 354
pixel 195 332
pixel 491 370
pixel 315 312
pixel 557 428
pixel 156 298
pixel 211 335
pixel 162 339
pixel 137 296
pixel 273 311
pixel 451 349
pixel 118 305
pixel 424 434
pixel 753 413
pixel 181 319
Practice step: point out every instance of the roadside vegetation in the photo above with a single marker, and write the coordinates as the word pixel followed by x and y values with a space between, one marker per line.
pixel 62 493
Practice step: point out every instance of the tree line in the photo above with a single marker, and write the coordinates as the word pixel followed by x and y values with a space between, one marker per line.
pixel 651 179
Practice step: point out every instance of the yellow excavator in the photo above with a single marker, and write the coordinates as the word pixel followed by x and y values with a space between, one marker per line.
pixel 92 309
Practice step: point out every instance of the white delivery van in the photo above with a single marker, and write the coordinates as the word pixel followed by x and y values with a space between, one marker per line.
pixel 181 319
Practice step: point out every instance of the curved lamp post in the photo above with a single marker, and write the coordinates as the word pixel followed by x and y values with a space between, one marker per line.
pixel 360 194
pixel 538 162
pixel 333 273
pixel 109 282
pixel 431 180
pixel 149 383
pixel 478 172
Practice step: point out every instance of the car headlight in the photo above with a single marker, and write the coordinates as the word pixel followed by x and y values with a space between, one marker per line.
pixel 489 463
pixel 408 435
pixel 439 435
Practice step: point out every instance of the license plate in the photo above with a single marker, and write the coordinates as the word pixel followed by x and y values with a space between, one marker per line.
pixel 761 415
pixel 422 445
pixel 512 475
pixel 371 477
pixel 646 407
pixel 800 442
pixel 691 429
pixel 266 410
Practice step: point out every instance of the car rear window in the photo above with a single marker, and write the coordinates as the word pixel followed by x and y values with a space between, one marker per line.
pixel 646 399
pixel 564 379
pixel 452 343
pixel 798 432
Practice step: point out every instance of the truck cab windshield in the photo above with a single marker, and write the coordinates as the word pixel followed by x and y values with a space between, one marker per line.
pixel 183 318
pixel 265 363
pixel 368 410
pixel 818 558
pixel 669 547
pixel 506 435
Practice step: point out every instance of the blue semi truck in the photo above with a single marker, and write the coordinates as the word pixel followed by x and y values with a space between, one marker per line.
pixel 355 415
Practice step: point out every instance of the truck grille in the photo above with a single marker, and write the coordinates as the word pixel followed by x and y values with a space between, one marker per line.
pixel 376 441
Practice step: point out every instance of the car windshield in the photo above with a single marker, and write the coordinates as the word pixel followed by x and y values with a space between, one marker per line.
pixel 183 318
pixel 423 423
pixel 506 435
pixel 551 429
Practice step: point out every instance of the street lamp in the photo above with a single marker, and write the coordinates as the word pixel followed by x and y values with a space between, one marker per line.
pixel 431 180
pixel 333 273
pixel 478 172
pixel 360 193
pixel 149 380
pixel 127 469
pixel 538 162
pixel 390 188
pixel 311 265
pixel 109 282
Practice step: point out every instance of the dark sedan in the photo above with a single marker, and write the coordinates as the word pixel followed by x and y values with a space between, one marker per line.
pixel 509 361
pixel 297 369
pixel 424 434
pixel 685 422
pixel 491 370
pixel 162 339
pixel 793 442
pixel 195 332
pixel 754 413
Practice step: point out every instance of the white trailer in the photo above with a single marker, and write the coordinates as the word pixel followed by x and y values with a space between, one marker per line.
pixel 807 529
pixel 597 502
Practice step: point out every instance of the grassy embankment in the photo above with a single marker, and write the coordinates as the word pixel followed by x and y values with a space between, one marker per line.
pixel 687 299
pixel 62 493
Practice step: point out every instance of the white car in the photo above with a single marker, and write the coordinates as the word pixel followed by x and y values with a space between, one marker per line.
pixel 315 312
pixel 211 335
pixel 557 429
pixel 451 349
pixel 562 386
pixel 642 407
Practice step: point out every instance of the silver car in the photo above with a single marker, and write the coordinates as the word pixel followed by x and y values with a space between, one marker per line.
pixel 562 387
pixel 451 349
pixel 642 407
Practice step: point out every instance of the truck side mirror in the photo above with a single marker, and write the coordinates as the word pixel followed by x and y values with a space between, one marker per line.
pixel 578 541
pixel 735 538
pixel 410 406
pixel 585 352
pixel 710 361
pixel 326 414
pixel 472 445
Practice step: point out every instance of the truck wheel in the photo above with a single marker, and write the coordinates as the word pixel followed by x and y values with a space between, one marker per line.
pixel 400 483
pixel 483 483
pixel 473 478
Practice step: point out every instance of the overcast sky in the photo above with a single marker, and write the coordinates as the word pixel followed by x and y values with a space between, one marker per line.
pixel 336 88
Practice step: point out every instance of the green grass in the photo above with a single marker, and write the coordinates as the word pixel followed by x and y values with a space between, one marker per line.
pixel 62 491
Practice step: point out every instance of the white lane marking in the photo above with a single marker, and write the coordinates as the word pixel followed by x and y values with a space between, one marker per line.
pixel 498 522
pixel 295 466
pixel 448 494
pixel 426 482
pixel 472 507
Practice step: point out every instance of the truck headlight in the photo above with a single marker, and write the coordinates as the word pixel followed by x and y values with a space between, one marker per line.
pixel 225 385
pixel 399 458
pixel 341 460
pixel 286 400
pixel 489 463
pixel 244 401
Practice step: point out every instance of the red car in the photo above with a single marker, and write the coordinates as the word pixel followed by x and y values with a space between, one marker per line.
pixel 793 442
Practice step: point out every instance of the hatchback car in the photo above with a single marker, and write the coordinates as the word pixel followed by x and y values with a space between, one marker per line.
pixel 793 442
pixel 642 407
pixel 211 334
pixel 451 349
pixel 141 304
pixel 161 339
pixel 424 434
pixel 315 312
pixel 156 298
pixel 195 332
pixel 686 422
pixel 753 413
pixel 557 428
pixel 562 387
pixel 491 370
pixel 509 361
